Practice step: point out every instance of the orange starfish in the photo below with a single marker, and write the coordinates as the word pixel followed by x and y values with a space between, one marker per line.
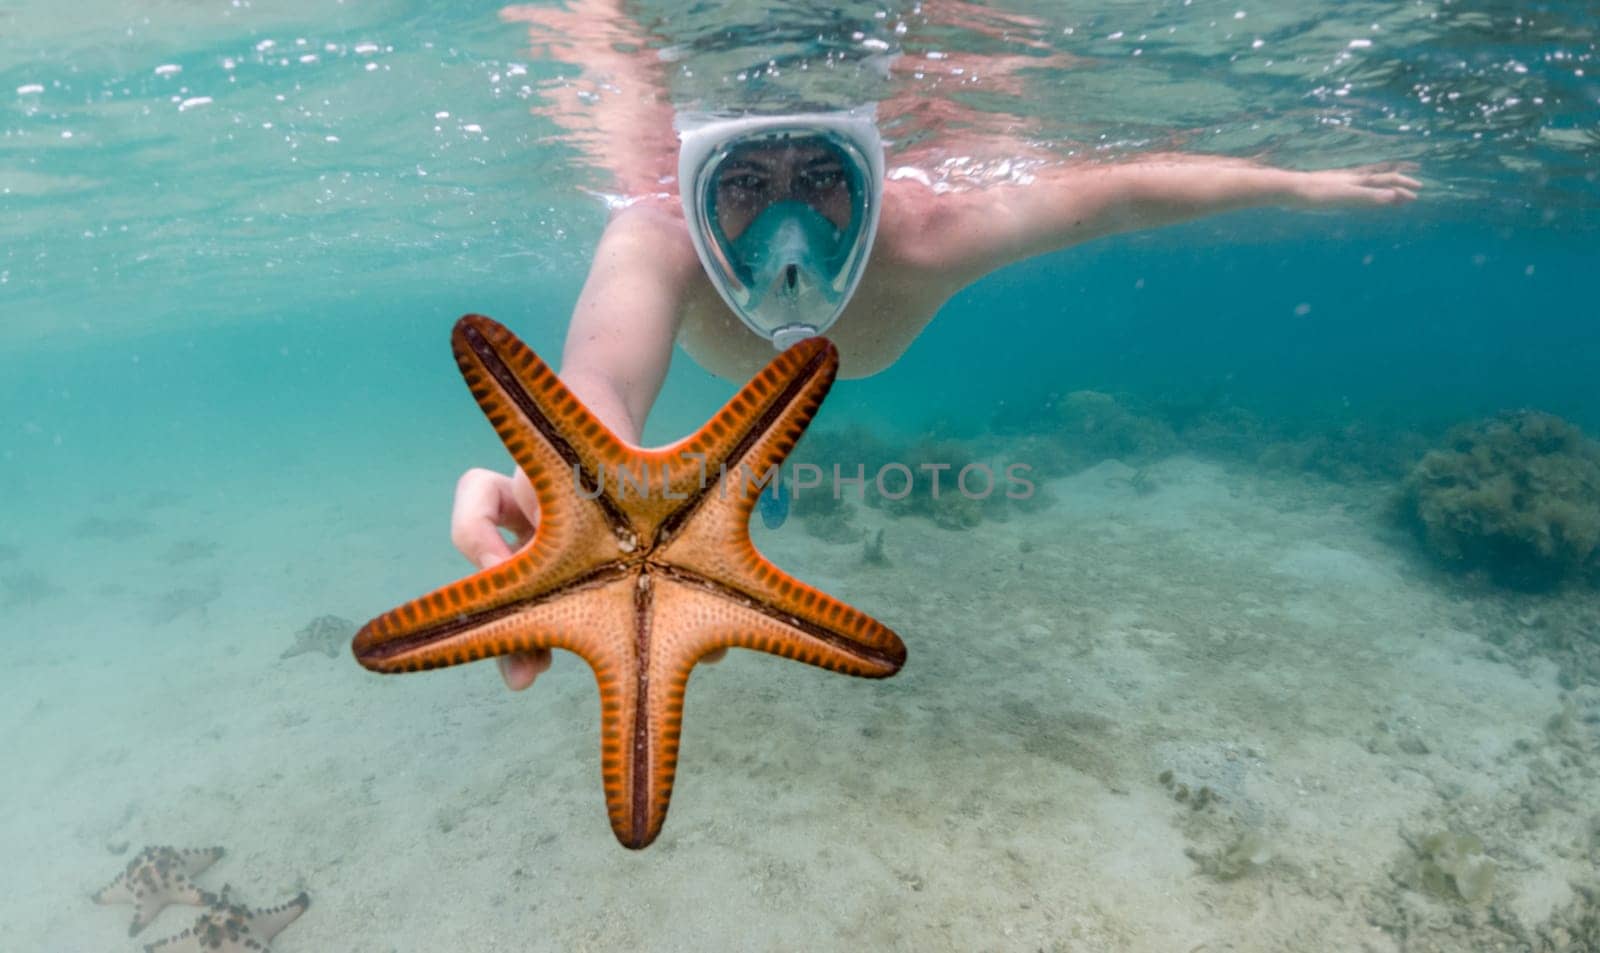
pixel 641 564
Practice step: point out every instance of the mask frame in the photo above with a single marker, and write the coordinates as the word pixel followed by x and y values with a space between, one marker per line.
pixel 813 297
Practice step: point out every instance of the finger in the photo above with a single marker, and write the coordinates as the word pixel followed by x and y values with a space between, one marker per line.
pixel 1389 196
pixel 1377 167
pixel 1393 179
pixel 516 513
pixel 521 668
pixel 523 498
pixel 473 519
pixel 1368 195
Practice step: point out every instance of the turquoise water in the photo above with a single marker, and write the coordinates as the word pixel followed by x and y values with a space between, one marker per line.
pixel 233 239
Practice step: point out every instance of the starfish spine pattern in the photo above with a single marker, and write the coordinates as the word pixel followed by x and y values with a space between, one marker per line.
pixel 641 575
pixel 158 877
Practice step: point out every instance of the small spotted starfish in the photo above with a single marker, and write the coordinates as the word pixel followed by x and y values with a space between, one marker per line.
pixel 158 877
pixel 327 634
pixel 228 927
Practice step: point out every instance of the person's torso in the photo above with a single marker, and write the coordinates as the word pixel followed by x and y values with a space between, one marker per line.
pixel 894 302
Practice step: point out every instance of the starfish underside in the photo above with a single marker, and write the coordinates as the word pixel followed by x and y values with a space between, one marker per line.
pixel 641 564
pixel 158 877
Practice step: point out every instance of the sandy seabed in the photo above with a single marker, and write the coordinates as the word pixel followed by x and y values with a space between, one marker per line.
pixel 1073 673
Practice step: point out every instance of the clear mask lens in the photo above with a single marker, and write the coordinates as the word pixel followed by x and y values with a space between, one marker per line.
pixel 783 219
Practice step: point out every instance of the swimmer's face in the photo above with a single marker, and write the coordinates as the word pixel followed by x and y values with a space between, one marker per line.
pixel 755 177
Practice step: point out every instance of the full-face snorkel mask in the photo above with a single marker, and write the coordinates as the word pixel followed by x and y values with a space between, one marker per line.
pixel 782 211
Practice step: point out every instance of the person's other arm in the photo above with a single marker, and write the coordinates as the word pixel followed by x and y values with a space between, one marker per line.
pixel 619 343
pixel 619 346
pixel 613 105
pixel 972 233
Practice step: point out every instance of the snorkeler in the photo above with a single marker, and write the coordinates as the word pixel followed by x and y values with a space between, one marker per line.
pixel 782 226
pixel 788 226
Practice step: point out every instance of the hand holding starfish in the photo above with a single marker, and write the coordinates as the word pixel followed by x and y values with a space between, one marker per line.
pixel 488 503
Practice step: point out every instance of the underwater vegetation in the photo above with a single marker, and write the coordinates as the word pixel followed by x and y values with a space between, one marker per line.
pixel 1454 866
pixel 945 506
pixel 824 514
pixel 846 446
pixel 956 484
pixel 1516 496
pixel 1246 852
pixel 1080 429
pixel 1348 453
pixel 873 554
pixel 828 517
pixel 1096 426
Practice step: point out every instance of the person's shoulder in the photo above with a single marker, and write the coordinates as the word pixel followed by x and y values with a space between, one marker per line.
pixel 912 210
pixel 920 224
pixel 651 212
pixel 650 227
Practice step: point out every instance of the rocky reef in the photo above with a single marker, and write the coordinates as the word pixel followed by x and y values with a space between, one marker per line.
pixel 1096 426
pixel 954 483
pixel 1351 452
pixel 1516 496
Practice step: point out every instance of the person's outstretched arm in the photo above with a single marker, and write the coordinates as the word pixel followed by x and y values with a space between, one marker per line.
pixel 612 105
pixel 972 233
pixel 619 346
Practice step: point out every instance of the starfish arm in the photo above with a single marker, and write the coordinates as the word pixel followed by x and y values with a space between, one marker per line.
pixel 639 749
pixel 778 402
pixel 195 861
pixel 420 635
pixel 178 889
pixel 684 619
pixel 759 607
pixel 186 942
pixel 229 927
pixel 713 549
pixel 641 706
pixel 198 940
pixel 205 936
pixel 557 441
pixel 268 923
pixel 740 449
pixel 157 878
pixel 117 891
